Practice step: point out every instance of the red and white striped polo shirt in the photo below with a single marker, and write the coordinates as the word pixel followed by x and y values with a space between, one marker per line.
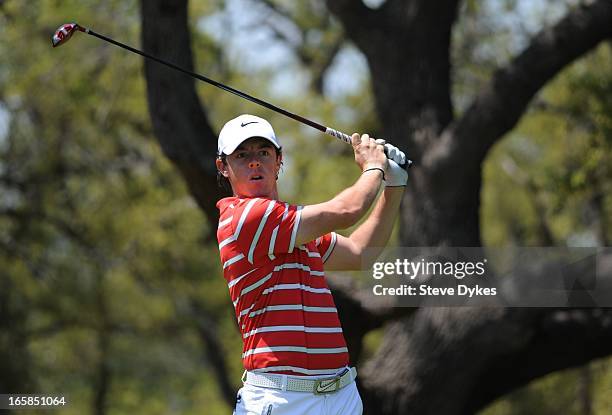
pixel 285 311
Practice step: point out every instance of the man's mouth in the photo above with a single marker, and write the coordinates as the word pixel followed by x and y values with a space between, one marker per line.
pixel 256 177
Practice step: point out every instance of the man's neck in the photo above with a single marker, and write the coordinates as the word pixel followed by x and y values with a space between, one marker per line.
pixel 273 195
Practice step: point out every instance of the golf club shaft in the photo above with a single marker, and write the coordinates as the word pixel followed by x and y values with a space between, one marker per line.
pixel 327 130
pixel 219 85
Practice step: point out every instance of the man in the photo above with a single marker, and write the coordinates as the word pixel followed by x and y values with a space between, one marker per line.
pixel 273 253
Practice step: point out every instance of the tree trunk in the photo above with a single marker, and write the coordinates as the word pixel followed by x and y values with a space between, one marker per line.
pixel 14 367
pixel 585 384
pixel 441 212
pixel 178 118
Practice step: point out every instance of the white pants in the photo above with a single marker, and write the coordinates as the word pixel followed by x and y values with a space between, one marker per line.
pixel 256 400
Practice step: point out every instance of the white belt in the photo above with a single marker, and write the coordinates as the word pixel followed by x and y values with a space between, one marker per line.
pixel 295 384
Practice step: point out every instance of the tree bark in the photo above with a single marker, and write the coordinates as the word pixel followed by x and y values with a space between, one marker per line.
pixel 15 374
pixel 207 331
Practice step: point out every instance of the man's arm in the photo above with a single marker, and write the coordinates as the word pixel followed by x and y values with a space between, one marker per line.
pixel 372 234
pixel 349 206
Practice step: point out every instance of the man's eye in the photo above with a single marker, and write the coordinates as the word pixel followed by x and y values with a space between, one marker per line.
pixel 264 152
pixel 240 155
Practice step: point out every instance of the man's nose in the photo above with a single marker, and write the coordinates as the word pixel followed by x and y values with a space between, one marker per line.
pixel 254 163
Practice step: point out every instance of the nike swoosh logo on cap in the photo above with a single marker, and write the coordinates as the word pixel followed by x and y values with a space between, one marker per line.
pixel 244 124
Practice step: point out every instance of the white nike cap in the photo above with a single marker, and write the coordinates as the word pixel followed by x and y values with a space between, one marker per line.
pixel 240 129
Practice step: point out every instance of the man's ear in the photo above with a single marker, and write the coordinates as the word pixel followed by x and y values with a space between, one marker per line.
pixel 279 164
pixel 221 167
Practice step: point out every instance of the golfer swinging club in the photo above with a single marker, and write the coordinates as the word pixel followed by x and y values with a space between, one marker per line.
pixel 274 255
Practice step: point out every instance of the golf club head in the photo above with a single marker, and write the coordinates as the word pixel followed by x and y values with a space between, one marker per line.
pixel 63 33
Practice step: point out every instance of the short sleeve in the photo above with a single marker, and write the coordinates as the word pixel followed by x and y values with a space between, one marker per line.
pixel 326 244
pixel 264 227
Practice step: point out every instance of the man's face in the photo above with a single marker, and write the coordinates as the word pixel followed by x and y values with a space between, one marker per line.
pixel 252 169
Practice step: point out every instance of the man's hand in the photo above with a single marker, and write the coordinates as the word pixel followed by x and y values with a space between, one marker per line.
pixel 392 152
pixel 395 154
pixel 395 176
pixel 368 153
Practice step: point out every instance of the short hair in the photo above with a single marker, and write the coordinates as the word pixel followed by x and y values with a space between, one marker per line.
pixel 222 181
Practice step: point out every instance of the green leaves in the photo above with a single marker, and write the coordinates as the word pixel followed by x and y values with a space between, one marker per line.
pixel 562 152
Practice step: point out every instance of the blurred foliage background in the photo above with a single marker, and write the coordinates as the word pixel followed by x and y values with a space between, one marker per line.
pixel 105 272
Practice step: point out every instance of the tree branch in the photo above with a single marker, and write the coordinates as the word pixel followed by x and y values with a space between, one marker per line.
pixel 577 336
pixel 497 109
pixel 278 9
pixel 323 65
pixel 317 57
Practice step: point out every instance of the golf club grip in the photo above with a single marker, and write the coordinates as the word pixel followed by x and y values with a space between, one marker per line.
pixel 347 139
pixel 338 134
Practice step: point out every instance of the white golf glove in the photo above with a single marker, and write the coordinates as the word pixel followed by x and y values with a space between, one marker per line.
pixel 393 153
pixel 395 176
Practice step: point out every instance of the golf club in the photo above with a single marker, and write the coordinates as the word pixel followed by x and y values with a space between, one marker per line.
pixel 65 32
